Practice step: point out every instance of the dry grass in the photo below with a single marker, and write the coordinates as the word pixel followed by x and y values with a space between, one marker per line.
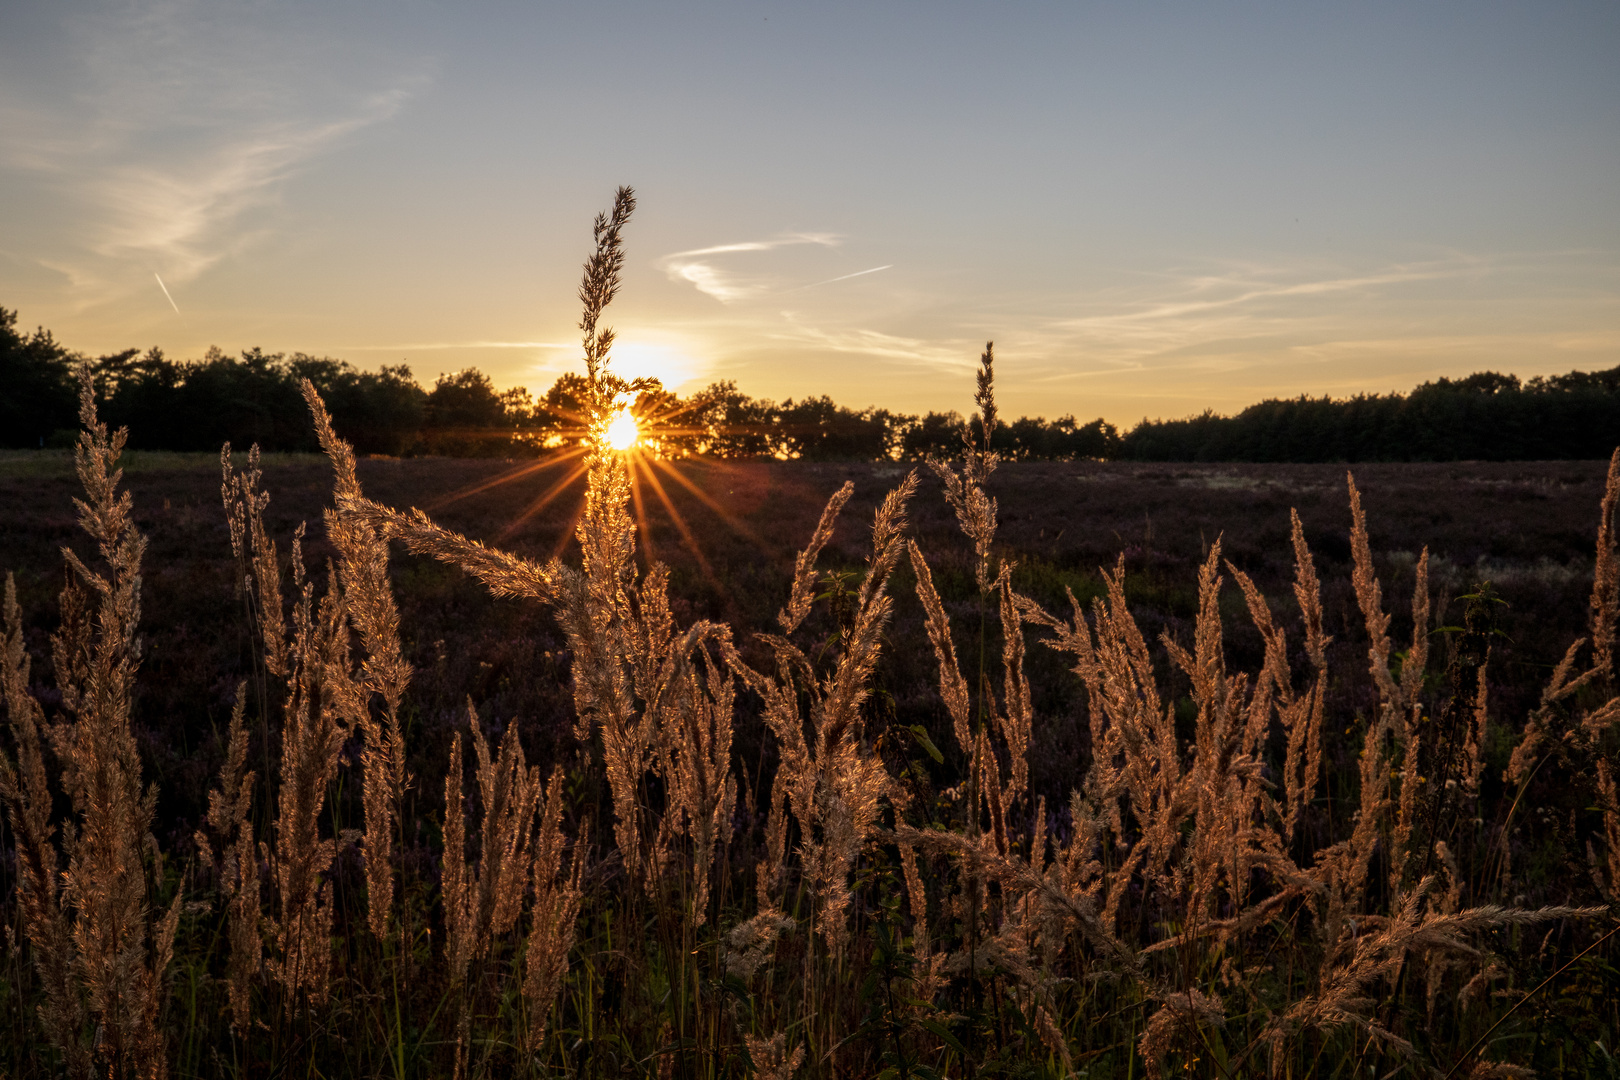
pixel 1238 881
pixel 90 902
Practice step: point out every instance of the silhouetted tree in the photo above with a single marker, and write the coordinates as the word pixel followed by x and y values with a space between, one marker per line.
pixel 37 394
pixel 819 429
pixel 466 417
pixel 254 397
pixel 733 424
pixel 936 435
pixel 1487 416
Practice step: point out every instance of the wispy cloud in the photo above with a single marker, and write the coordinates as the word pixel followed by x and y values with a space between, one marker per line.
pixel 1207 318
pixel 1227 334
pixel 1178 310
pixel 864 341
pixel 707 268
pixel 166 124
pixel 1221 333
pixel 184 220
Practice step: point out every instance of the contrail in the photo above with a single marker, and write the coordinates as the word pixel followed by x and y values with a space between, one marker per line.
pixel 165 289
pixel 846 277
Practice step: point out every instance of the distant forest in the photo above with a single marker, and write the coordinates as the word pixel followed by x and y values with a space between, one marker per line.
pixel 254 398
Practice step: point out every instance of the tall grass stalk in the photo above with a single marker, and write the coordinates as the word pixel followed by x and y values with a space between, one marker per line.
pixel 91 903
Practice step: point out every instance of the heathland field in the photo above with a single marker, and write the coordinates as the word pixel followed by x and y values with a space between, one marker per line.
pixel 994 976
pixel 1527 527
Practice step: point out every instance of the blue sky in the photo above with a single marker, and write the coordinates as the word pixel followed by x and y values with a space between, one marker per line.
pixel 1153 208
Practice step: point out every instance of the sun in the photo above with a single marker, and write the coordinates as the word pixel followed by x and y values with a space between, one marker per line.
pixel 622 431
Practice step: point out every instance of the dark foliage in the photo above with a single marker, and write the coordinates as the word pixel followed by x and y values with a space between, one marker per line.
pixel 38 398
pixel 1484 417
pixel 253 398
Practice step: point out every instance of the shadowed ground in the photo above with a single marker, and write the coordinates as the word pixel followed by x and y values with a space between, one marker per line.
pixel 730 541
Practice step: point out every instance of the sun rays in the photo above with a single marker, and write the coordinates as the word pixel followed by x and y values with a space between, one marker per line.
pixel 528 468
pixel 675 519
pixel 652 434
pixel 737 524
pixel 545 499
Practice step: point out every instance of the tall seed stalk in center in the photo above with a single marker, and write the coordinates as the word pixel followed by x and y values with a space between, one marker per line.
pixel 660 698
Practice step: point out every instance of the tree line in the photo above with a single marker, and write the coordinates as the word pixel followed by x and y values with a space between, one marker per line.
pixel 253 397
pixel 1483 417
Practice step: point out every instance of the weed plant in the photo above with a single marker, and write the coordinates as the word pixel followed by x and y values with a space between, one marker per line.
pixel 870 898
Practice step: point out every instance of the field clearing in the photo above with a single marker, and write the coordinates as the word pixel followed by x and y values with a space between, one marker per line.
pixel 728 533
pixel 730 544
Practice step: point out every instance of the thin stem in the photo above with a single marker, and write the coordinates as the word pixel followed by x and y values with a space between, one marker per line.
pixel 1544 984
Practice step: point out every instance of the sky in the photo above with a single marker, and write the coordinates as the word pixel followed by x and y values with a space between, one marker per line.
pixel 1151 208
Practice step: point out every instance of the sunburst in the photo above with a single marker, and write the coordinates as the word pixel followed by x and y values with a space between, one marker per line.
pixel 623 431
pixel 651 431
